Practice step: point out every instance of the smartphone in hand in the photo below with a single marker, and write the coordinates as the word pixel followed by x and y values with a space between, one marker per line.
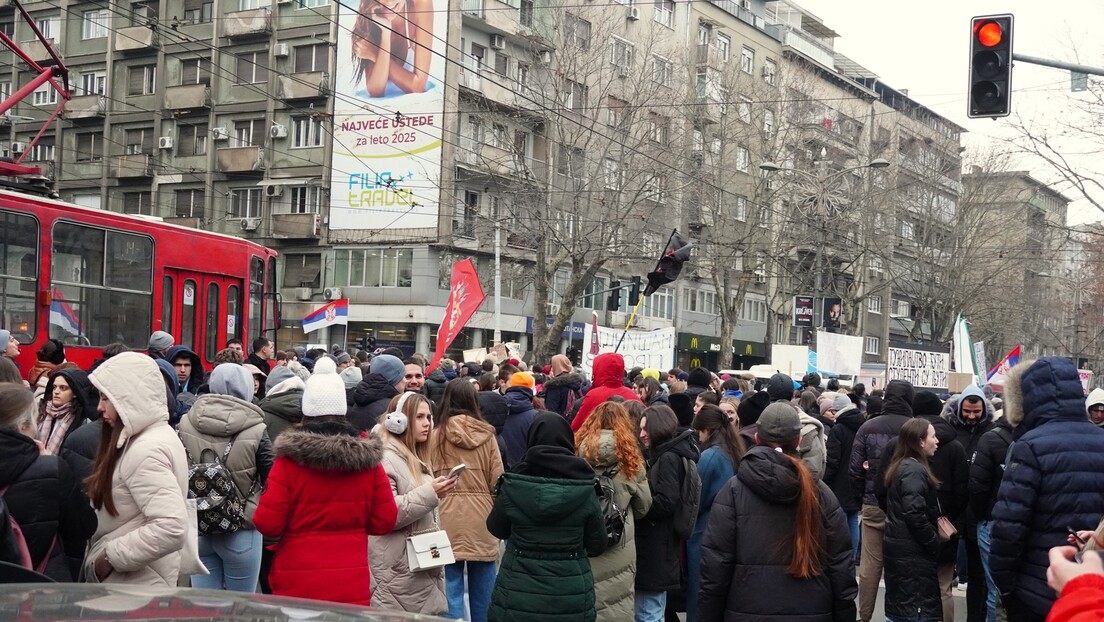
pixel 456 471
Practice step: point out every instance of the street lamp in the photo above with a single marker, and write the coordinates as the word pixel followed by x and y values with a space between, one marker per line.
pixel 822 198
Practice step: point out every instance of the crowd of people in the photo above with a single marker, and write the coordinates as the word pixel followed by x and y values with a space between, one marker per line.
pixel 491 491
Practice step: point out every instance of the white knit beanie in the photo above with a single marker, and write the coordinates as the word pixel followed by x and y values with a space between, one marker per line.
pixel 325 392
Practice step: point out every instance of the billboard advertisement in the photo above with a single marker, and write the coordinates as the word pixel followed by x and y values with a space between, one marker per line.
pixel 388 114
pixel 803 311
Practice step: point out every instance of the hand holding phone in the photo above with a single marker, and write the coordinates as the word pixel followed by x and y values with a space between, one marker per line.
pixel 456 471
pixel 1075 537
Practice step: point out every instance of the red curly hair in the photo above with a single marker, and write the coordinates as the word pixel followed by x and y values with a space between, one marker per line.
pixel 611 416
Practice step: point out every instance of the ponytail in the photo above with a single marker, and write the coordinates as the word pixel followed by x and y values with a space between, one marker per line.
pixel 808 547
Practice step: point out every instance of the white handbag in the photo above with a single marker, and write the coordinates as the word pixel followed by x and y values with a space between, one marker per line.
pixel 190 564
pixel 429 550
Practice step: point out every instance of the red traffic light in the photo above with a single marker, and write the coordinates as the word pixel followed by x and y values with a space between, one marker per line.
pixel 989 34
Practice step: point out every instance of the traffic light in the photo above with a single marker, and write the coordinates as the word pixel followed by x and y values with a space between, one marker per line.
pixel 990 93
pixel 614 302
pixel 634 292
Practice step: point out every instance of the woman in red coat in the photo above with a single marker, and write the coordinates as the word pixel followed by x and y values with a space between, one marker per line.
pixel 326 493
pixel 608 379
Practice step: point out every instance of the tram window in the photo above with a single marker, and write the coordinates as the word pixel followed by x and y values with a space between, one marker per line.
pixel 272 318
pixel 167 304
pixel 102 286
pixel 212 345
pixel 233 312
pixel 256 286
pixel 18 274
pixel 188 315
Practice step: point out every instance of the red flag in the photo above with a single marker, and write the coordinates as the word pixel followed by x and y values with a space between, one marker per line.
pixel 594 333
pixel 465 296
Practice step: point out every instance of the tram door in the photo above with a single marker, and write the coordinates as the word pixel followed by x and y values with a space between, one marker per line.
pixel 204 310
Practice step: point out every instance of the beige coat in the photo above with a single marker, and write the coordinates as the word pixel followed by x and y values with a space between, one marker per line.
pixel 464 510
pixel 210 424
pixel 394 585
pixel 143 543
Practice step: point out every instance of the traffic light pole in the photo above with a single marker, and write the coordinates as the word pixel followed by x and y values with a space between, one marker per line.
pixel 1058 64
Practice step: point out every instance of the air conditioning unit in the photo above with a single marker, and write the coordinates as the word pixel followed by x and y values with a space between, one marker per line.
pixel 545 56
pixel 278 130
pixel 332 293
pixel 250 224
pixel 284 1
pixel 498 42
pixel 18 147
pixel 165 142
pixel 274 190
pixel 281 50
pixel 634 13
pixel 303 293
pixel 220 133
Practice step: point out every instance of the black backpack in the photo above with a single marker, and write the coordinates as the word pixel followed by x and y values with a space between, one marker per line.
pixel 686 514
pixel 220 506
pixel 613 515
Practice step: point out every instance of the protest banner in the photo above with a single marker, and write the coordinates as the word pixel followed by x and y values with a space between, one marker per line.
pixel 925 369
pixel 655 348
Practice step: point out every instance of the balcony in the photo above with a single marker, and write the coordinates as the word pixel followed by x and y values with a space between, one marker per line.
pixel 37 51
pixel 188 97
pixel 136 38
pixel 240 159
pixel 809 45
pixel 86 107
pixel 710 56
pixel 296 226
pixel 132 165
pixel 249 23
pixel 469 79
pixel 307 85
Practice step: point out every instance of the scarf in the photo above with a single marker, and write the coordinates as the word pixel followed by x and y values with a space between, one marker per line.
pixel 54 426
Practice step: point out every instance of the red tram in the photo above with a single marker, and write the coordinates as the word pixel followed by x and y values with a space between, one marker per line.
pixel 89 277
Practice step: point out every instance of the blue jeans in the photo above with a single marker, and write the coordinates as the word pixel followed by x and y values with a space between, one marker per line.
pixel 985 542
pixel 853 525
pixel 234 560
pixel 481 580
pixel 650 606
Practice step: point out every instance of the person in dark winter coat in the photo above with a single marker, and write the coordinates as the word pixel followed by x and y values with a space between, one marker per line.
pixel 547 512
pixel 283 401
pixel 838 447
pixel 385 379
pixel 520 413
pixel 177 404
pixel 911 536
pixel 434 387
pixel 776 547
pixel 69 402
pixel 1052 481
pixel 986 471
pixel 866 453
pixel 749 411
pixel 41 492
pixel 608 374
pixel 189 369
pixel 670 453
pixel 564 387
pixel 493 409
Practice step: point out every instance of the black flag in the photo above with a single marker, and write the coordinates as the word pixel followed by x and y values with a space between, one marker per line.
pixel 670 263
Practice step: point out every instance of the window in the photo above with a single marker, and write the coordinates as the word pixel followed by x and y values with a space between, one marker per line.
pixel 704 31
pixel 615 112
pixel 655 188
pixel 661 304
pixel 724 47
pixel 49 26
pixel 743 158
pixel 307 132
pixel 577 31
pixel 310 58
pixel 138 141
pixel 621 53
pixel 876 266
pixel 740 208
pixel 245 203
pixel 770 72
pixel 525 13
pixel 90 147
pixel 44 95
pixel 88 200
pixel 303 270
pixel 249 133
pixel 189 203
pixel 389 267
pixel 8 28
pixel 592 300
pixel 198 11
pixel 311 4
pixel 500 136
pixel 250 69
pixel 576 96
pixel 106 278
pixel 5 89
pixel 192 139
pixel 658 128
pixel 872 345
pixel 747 60
pixel 92 83
pixel 906 230
pixel 94 24
pixel 611 170
pixel 764 216
pixel 699 140
pixel 195 71
pixel 502 64
pixel 901 308
pixel 245 5
pixel 138 203
pixel 142 80
pixel 305 199
pixel 665 12
pixel 467 212
pixel 743 109
pixel 572 162
pixel 874 304
pixel 768 123
pixel 715 146
pixel 523 74
pixel 662 70
pixel 43 150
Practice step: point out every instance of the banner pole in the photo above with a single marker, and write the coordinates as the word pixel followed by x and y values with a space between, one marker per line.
pixel 632 317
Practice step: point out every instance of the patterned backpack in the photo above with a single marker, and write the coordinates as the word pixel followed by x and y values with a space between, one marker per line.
pixel 220 506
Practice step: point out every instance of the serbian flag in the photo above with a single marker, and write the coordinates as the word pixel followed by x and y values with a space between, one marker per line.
pixel 594 333
pixel 997 374
pixel 465 296
pixel 335 312
pixel 62 315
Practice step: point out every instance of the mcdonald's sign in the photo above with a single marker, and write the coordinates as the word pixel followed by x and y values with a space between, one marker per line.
pixel 749 348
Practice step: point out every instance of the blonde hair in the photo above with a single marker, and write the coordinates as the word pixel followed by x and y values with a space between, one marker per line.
pixel 416 450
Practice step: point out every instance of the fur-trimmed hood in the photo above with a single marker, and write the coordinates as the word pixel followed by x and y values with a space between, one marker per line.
pixel 1041 391
pixel 565 380
pixel 329 450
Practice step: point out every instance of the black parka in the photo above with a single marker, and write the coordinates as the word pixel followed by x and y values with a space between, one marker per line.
pixel 911 545
pixel 748 546
pixel 987 468
pixel 841 439
pixel 370 398
pixel 657 546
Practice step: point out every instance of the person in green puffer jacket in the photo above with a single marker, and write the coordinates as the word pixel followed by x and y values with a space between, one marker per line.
pixel 547 509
